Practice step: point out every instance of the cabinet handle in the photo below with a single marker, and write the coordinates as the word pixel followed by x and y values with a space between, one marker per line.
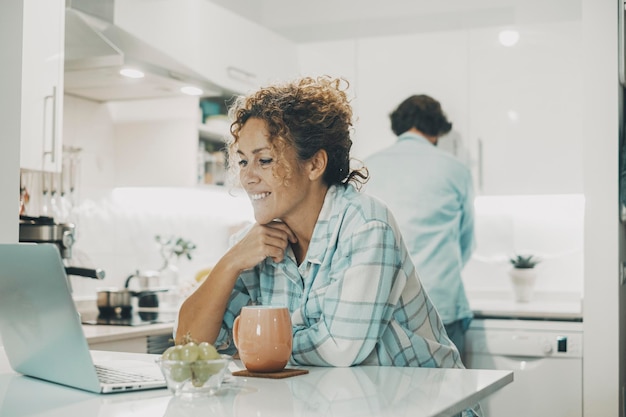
pixel 480 164
pixel 621 42
pixel 239 74
pixel 52 152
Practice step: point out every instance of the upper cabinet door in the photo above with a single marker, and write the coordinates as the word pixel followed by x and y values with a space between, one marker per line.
pixel 516 111
pixel 234 53
pixel 526 109
pixel 42 84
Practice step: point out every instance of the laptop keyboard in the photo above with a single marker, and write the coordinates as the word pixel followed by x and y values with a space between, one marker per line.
pixel 114 376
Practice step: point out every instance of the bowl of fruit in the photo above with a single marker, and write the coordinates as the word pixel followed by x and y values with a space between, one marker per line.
pixel 193 369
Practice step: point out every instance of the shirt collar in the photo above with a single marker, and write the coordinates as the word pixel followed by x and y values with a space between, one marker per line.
pixel 414 136
pixel 323 227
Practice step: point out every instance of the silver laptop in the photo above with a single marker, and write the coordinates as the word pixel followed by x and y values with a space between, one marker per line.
pixel 41 329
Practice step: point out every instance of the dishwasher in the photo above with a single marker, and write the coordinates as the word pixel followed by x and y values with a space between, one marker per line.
pixel 546 357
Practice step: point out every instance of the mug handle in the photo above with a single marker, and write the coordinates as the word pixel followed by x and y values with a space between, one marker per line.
pixel 236 331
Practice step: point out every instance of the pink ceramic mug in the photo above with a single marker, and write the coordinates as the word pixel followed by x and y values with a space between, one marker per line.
pixel 262 335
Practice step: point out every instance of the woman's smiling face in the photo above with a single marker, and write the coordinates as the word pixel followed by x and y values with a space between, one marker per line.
pixel 272 197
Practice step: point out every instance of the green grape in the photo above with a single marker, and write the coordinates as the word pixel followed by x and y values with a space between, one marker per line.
pixel 189 352
pixel 202 372
pixel 172 353
pixel 180 372
pixel 208 351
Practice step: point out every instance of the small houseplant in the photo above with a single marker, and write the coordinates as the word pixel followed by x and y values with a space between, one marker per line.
pixel 523 276
pixel 171 249
pixel 524 261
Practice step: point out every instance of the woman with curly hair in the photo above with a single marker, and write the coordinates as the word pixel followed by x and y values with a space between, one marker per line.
pixel 332 255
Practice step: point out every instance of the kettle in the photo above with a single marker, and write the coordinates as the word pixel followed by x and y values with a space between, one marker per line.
pixel 149 287
pixel 147 280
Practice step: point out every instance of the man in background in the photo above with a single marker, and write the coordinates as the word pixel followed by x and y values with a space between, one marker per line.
pixel 430 193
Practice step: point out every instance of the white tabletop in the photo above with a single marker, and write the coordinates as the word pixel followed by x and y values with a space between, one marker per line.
pixel 357 391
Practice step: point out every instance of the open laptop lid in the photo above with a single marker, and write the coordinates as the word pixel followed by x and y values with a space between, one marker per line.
pixel 40 327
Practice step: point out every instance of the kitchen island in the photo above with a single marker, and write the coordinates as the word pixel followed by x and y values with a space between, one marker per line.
pixel 358 391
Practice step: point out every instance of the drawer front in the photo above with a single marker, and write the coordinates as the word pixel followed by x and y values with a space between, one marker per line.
pixel 159 343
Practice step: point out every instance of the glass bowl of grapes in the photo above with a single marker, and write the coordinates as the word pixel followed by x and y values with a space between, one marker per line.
pixel 193 369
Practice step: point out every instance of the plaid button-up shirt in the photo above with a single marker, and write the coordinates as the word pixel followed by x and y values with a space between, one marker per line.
pixel 355 299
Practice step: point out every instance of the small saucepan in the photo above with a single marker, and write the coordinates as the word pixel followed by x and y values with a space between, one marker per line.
pixel 118 302
pixel 114 302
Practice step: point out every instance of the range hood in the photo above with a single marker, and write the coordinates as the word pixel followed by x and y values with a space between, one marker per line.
pixel 96 50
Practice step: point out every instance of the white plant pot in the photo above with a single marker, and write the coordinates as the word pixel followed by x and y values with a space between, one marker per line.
pixel 523 280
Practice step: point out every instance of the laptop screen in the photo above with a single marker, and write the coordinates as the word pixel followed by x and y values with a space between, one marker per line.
pixel 39 323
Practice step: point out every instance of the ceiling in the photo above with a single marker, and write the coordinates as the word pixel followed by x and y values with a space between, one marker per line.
pixel 305 21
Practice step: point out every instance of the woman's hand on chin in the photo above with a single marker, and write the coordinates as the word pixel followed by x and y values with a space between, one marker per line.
pixel 262 241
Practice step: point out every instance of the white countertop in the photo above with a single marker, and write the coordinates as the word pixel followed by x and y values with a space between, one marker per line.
pixel 102 333
pixel 545 306
pixel 361 390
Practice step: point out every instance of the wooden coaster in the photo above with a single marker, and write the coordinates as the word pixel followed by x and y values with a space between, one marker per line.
pixel 285 373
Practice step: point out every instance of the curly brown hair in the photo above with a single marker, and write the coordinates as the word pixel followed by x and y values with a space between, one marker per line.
pixel 308 114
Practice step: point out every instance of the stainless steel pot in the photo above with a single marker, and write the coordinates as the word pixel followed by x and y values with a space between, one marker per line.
pixel 118 302
pixel 114 302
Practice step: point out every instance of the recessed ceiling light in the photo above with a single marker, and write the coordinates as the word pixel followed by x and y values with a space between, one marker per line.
pixel 131 73
pixel 192 91
pixel 508 37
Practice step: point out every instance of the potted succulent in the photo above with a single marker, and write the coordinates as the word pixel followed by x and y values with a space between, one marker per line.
pixel 523 276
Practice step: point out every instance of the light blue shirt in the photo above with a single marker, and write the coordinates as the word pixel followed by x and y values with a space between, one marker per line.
pixel 431 196
pixel 355 299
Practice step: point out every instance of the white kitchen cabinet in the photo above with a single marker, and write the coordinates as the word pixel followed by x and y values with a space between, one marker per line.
pixel 526 110
pixel 233 52
pixel 42 84
pixel 516 112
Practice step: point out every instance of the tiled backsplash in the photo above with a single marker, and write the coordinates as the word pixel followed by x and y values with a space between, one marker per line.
pixel 117 233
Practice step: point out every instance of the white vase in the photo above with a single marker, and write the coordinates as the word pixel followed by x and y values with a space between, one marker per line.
pixel 170 280
pixel 523 280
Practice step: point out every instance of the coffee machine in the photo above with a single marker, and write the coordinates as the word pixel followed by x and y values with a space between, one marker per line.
pixel 44 229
